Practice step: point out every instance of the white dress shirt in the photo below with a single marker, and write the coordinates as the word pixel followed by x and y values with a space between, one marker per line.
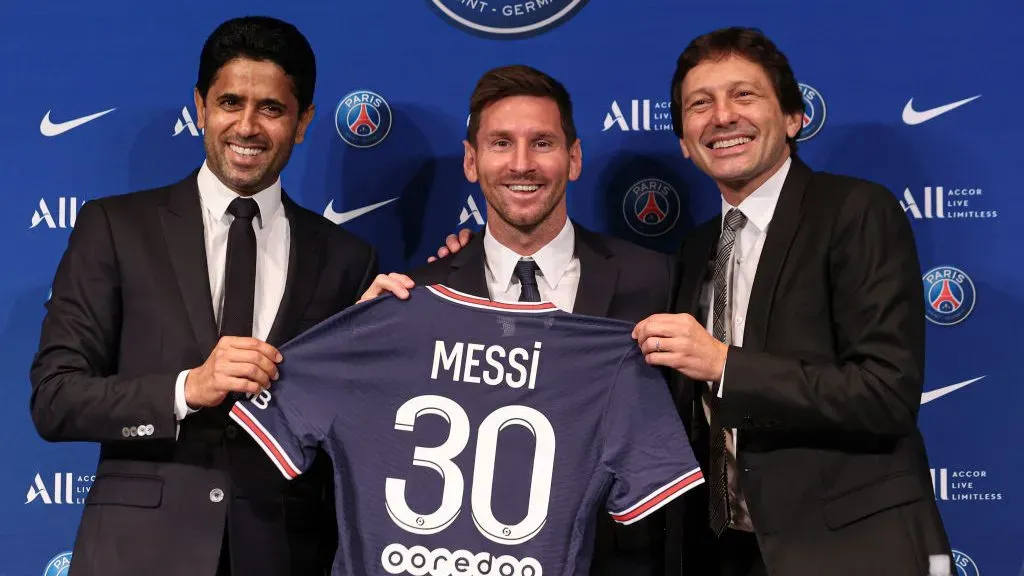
pixel 759 208
pixel 558 276
pixel 273 240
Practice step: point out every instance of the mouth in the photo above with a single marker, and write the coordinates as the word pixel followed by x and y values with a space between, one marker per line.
pixel 522 188
pixel 247 153
pixel 721 144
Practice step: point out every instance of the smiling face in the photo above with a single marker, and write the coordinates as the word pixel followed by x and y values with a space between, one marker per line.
pixel 733 127
pixel 523 164
pixel 251 120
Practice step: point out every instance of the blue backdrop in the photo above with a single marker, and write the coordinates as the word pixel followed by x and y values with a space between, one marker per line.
pixel 877 77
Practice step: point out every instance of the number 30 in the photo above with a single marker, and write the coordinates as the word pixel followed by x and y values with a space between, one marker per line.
pixel 440 459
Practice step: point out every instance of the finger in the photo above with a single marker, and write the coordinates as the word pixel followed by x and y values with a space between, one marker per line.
pixel 656 345
pixel 464 235
pixel 442 252
pixel 235 384
pixel 452 242
pixel 253 357
pixel 394 286
pixel 666 359
pixel 247 371
pixel 257 345
pixel 431 259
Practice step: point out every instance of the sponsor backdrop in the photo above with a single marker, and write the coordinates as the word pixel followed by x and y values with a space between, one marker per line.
pixel 98 101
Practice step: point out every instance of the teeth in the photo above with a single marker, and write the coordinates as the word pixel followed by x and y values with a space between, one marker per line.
pixel 245 151
pixel 730 143
pixel 523 187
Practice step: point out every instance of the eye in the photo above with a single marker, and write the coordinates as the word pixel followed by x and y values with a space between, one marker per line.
pixel 273 109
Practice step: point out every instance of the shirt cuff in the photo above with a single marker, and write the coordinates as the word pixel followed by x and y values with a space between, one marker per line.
pixel 721 381
pixel 181 409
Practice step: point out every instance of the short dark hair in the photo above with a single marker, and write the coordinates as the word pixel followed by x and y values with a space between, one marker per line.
pixel 518 80
pixel 260 38
pixel 749 43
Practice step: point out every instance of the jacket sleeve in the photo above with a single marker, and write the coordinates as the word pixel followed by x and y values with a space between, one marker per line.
pixel 77 394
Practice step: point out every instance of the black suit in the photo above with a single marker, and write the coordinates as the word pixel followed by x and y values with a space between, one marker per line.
pixel 825 389
pixel 618 280
pixel 130 309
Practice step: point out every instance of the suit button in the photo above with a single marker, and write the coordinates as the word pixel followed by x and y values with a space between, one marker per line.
pixel 216 495
pixel 231 431
pixel 133 431
pixel 126 432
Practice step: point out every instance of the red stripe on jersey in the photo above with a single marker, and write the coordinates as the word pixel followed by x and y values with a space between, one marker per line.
pixel 265 440
pixel 446 291
pixel 656 500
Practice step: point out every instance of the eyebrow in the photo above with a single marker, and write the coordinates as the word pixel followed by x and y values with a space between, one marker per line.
pixel 263 102
pixel 506 134
pixel 731 86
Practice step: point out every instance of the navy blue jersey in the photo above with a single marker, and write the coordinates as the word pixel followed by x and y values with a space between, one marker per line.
pixel 471 437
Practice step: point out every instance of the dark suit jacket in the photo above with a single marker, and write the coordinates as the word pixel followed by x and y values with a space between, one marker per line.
pixel 618 280
pixel 825 389
pixel 130 309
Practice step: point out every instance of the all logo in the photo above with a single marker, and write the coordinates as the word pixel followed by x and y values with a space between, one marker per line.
pixel 67 488
pixel 942 203
pixel 185 123
pixel 651 207
pixel 963 485
pixel 363 119
pixel 639 116
pixel 507 18
pixel 59 565
pixel 471 212
pixel 64 216
pixel 814 113
pixel 949 295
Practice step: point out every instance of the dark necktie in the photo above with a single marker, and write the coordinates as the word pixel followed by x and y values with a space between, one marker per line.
pixel 526 272
pixel 718 504
pixel 240 270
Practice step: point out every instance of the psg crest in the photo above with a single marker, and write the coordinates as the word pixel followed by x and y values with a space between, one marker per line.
pixel 814 113
pixel 59 565
pixel 363 119
pixel 506 18
pixel 651 207
pixel 949 295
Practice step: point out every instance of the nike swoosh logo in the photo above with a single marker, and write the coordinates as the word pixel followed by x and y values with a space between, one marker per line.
pixel 48 128
pixel 940 392
pixel 912 117
pixel 342 217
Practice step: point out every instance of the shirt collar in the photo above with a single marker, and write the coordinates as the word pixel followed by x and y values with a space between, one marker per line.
pixel 760 205
pixel 553 258
pixel 216 196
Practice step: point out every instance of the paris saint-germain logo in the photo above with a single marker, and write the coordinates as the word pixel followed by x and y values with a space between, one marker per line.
pixel 964 565
pixel 59 565
pixel 814 113
pixel 949 295
pixel 363 119
pixel 651 207
pixel 507 18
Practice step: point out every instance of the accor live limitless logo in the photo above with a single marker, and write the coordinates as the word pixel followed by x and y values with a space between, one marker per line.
pixel 57 212
pixel 66 488
pixel 945 203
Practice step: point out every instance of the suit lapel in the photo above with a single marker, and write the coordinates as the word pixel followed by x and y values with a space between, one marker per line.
pixel 781 231
pixel 303 273
pixel 182 221
pixel 598 274
pixel 468 274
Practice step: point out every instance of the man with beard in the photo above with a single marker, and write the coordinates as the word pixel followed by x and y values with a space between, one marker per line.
pixel 169 304
pixel 521 147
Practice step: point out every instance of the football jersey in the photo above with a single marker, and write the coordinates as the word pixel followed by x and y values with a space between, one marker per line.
pixel 471 437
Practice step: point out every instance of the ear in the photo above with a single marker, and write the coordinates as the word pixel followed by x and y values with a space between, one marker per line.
pixel 575 160
pixel 200 109
pixel 304 120
pixel 684 148
pixel 469 161
pixel 794 122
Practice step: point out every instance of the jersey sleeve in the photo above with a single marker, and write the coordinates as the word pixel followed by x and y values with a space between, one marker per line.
pixel 646 447
pixel 293 416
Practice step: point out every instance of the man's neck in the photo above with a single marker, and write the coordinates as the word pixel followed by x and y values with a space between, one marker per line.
pixel 736 192
pixel 526 242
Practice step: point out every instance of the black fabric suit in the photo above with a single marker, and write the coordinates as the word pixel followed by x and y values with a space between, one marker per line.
pixel 825 390
pixel 130 309
pixel 617 280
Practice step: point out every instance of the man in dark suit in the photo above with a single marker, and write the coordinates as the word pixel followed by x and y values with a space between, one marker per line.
pixel 169 304
pixel 798 344
pixel 522 148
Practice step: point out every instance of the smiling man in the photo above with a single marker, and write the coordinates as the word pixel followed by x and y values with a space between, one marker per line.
pixel 797 346
pixel 168 306
pixel 522 148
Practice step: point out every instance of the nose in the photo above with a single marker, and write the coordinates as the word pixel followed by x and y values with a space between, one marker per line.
pixel 724 112
pixel 247 125
pixel 522 158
